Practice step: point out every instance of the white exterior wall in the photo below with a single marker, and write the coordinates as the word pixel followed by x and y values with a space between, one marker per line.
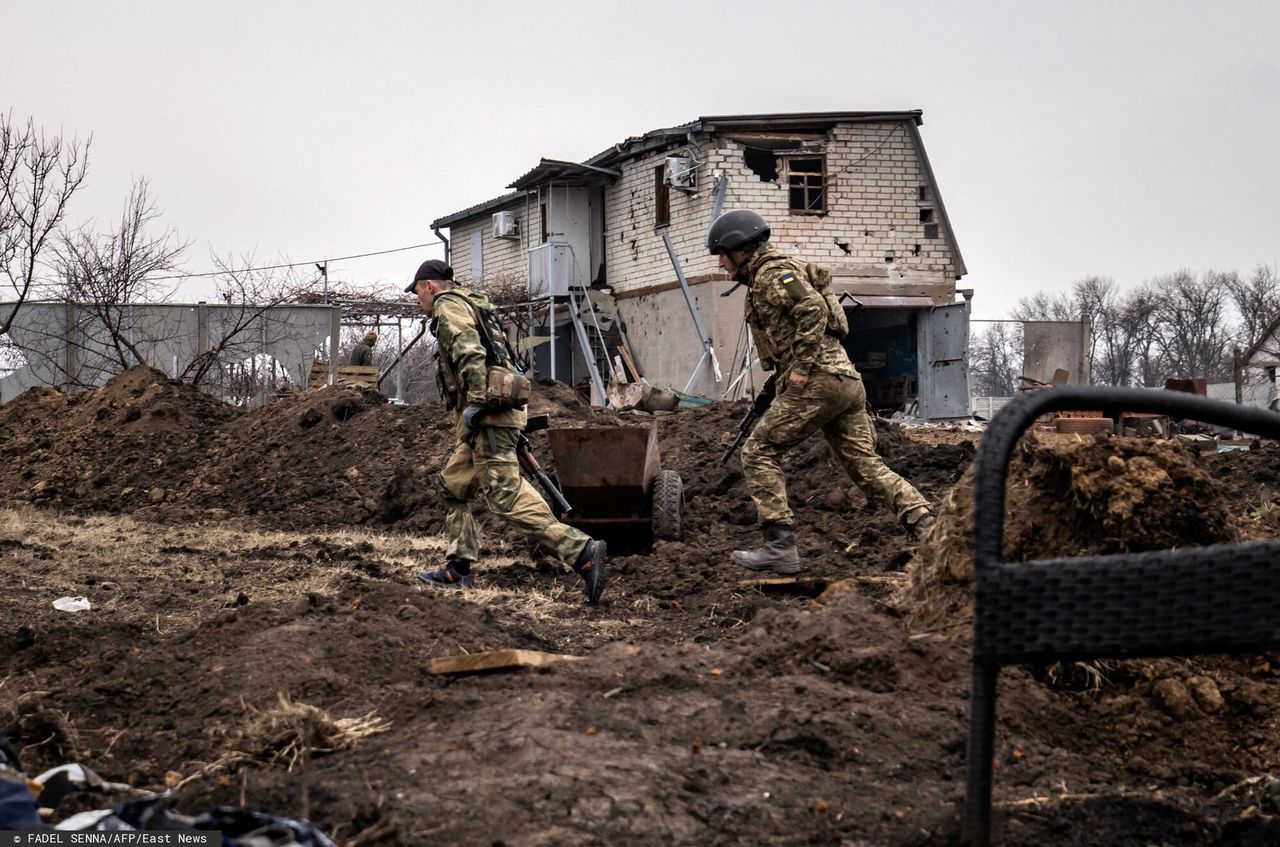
pixel 874 176
pixel 507 256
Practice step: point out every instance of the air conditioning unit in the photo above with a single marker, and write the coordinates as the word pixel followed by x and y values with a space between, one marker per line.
pixel 682 172
pixel 505 225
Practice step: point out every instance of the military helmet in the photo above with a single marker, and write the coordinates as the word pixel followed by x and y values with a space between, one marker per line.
pixel 736 229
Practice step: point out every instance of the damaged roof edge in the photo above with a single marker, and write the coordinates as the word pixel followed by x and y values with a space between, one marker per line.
pixel 657 139
pixel 961 270
pixel 798 119
pixel 602 163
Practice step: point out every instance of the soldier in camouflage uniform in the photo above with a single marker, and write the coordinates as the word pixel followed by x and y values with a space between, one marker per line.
pixel 484 458
pixel 798 331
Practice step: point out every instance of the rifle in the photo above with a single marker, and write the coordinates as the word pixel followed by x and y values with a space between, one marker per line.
pixel 761 405
pixel 559 506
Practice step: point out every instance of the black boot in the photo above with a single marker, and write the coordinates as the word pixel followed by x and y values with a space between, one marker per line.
pixel 590 566
pixel 778 554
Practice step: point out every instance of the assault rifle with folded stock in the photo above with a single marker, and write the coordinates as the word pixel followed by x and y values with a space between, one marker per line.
pixel 758 407
pixel 559 506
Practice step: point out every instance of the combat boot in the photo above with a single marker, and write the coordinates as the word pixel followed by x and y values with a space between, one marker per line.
pixel 919 521
pixel 778 554
pixel 590 566
pixel 452 575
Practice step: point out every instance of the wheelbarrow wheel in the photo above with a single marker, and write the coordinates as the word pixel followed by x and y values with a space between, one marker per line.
pixel 668 506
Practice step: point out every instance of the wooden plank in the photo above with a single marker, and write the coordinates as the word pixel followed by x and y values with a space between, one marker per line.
pixel 495 660
pixel 810 586
pixel 629 362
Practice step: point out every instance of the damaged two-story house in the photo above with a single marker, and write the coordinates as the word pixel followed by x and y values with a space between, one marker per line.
pixel 625 231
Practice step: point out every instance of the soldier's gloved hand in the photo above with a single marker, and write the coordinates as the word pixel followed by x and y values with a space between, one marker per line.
pixel 471 416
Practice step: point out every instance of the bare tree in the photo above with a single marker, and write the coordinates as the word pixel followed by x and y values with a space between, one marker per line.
pixel 1194 333
pixel 1257 304
pixel 106 274
pixel 251 295
pixel 39 175
pixel 1042 306
pixel 995 359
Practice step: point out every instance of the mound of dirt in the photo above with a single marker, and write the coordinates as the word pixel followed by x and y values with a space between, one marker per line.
pixel 228 632
pixel 130 443
pixel 1076 497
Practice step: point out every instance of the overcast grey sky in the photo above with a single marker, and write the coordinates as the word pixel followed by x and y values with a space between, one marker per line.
pixel 1074 138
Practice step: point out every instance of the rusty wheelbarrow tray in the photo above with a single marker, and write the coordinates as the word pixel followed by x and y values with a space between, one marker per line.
pixel 613 478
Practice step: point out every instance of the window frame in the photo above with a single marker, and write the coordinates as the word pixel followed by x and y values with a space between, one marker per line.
pixel 823 187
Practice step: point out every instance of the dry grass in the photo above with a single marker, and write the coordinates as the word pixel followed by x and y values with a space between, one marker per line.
pixel 290 730
pixel 114 560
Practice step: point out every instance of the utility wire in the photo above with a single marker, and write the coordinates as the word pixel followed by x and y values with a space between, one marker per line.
pixel 300 264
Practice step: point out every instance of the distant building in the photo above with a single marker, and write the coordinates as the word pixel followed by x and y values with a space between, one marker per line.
pixel 853 191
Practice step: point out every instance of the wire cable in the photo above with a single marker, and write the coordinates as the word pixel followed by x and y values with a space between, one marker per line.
pixel 299 264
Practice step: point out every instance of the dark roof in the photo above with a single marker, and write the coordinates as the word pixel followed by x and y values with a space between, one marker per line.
pixel 560 171
pixel 478 209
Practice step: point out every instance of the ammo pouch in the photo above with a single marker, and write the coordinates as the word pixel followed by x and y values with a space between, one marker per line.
pixel 506 389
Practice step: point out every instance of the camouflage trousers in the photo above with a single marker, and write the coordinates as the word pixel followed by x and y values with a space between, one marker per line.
pixel 837 405
pixel 488 464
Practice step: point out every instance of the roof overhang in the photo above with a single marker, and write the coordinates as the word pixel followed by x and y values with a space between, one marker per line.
pixel 493 205
pixel 560 171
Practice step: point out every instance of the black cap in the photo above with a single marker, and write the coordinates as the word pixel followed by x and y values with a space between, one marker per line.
pixel 430 269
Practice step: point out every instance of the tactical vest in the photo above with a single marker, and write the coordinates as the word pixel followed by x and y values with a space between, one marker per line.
pixel 820 279
pixel 506 386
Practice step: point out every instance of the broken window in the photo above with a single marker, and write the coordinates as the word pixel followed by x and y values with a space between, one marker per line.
pixel 763 163
pixel 807 185
pixel 662 197
pixel 926 216
pixel 925 193
pixel 930 230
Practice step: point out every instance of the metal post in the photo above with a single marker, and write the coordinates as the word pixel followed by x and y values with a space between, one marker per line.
pixel 709 350
pixel 551 326
pixel 263 353
pixel 400 359
pixel 335 329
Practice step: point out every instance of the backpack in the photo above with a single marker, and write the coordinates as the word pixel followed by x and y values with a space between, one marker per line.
pixel 837 321
pixel 820 280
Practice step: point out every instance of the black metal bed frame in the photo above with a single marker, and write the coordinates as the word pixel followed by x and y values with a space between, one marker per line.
pixel 1219 599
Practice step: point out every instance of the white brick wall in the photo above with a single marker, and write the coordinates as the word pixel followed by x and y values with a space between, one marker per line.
pixel 509 256
pixel 874 176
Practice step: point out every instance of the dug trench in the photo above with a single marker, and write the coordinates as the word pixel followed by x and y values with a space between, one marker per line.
pixel 244 566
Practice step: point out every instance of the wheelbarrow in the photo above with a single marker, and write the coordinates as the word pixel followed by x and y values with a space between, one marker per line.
pixel 614 479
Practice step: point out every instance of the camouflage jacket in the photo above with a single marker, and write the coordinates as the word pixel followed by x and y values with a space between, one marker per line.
pixel 788 318
pixel 454 325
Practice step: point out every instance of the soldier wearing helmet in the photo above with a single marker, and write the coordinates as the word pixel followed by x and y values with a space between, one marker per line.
pixel 797 330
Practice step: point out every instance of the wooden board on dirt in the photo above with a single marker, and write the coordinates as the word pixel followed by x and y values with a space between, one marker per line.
pixel 495 660
pixel 809 586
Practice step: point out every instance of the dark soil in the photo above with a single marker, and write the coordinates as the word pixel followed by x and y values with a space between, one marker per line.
pixel 228 557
